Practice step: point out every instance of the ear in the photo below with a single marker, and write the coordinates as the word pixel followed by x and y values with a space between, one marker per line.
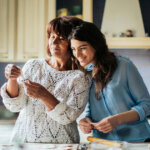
pixel 48 50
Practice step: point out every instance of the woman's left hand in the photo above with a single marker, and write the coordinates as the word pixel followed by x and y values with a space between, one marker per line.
pixel 34 90
pixel 107 124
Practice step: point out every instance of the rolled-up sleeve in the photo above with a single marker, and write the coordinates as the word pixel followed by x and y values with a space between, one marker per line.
pixel 15 104
pixel 69 110
pixel 138 91
pixel 87 110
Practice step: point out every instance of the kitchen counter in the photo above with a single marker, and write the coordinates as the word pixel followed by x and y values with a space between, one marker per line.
pixel 6 130
pixel 93 146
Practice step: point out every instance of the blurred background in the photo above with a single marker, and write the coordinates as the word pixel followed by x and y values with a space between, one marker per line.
pixel 125 23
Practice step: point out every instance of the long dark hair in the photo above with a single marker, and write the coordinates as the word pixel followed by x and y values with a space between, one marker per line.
pixel 105 61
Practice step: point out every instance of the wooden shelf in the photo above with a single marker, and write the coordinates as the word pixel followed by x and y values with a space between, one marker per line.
pixel 129 42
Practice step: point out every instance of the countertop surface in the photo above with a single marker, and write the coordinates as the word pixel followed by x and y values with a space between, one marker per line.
pixel 93 146
pixel 6 128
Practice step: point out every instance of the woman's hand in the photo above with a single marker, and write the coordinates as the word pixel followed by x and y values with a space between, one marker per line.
pixel 34 90
pixel 85 125
pixel 107 124
pixel 12 72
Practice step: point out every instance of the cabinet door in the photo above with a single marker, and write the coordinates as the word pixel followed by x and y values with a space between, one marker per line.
pixel 31 29
pixel 88 10
pixel 7 29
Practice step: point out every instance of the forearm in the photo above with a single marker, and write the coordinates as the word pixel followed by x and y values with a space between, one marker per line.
pixel 12 88
pixel 49 100
pixel 126 117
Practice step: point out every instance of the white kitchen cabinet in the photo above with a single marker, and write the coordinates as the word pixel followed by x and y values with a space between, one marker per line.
pixel 7 29
pixel 23 28
pixel 33 15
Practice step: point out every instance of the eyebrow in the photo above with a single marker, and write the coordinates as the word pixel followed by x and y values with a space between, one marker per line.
pixel 81 45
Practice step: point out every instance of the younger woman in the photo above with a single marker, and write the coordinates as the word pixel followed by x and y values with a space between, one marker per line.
pixel 119 101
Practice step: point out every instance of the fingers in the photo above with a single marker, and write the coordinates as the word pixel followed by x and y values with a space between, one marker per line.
pixel 85 129
pixel 105 129
pixel 106 125
pixel 12 71
pixel 85 125
pixel 33 84
pixel 32 89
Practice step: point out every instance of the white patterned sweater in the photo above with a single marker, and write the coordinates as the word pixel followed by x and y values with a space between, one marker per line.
pixel 35 123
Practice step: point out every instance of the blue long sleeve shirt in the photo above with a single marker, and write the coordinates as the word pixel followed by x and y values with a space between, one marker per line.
pixel 125 91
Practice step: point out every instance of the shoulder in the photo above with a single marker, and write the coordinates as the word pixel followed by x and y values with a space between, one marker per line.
pixel 33 62
pixel 80 77
pixel 124 62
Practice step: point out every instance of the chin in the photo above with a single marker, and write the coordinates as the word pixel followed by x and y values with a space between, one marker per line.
pixel 83 64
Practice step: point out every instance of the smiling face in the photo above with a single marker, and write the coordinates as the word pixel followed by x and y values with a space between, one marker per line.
pixel 83 51
pixel 58 45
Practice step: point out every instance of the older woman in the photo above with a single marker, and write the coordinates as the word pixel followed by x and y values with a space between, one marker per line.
pixel 52 96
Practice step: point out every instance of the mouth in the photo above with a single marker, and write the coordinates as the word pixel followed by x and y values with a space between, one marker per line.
pixel 81 60
pixel 55 48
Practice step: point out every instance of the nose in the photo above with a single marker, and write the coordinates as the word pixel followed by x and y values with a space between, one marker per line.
pixel 77 53
pixel 55 41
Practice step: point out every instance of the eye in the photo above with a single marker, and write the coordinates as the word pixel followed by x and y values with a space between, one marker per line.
pixel 52 37
pixel 82 48
pixel 73 49
pixel 61 38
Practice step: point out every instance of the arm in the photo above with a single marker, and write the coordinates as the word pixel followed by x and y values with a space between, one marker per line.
pixel 12 92
pixel 140 97
pixel 37 91
pixel 12 72
pixel 139 92
pixel 108 124
pixel 69 109
pixel 126 117
pixel 12 88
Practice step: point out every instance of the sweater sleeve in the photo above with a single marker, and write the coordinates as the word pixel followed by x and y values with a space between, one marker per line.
pixel 16 104
pixel 139 92
pixel 70 109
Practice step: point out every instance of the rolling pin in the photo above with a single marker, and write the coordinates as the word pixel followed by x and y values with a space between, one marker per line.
pixel 102 141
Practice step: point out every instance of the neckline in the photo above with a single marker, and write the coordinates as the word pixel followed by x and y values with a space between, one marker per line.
pixel 49 66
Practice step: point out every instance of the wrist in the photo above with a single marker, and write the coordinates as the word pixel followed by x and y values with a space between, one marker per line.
pixel 45 96
pixel 118 119
pixel 12 81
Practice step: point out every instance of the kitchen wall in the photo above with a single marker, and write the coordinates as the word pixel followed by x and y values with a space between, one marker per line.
pixel 141 58
pixel 2 77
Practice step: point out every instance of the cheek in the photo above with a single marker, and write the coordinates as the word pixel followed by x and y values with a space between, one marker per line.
pixel 64 45
pixel 74 54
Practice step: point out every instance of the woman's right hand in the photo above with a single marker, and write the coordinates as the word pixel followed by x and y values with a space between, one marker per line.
pixel 12 72
pixel 85 125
